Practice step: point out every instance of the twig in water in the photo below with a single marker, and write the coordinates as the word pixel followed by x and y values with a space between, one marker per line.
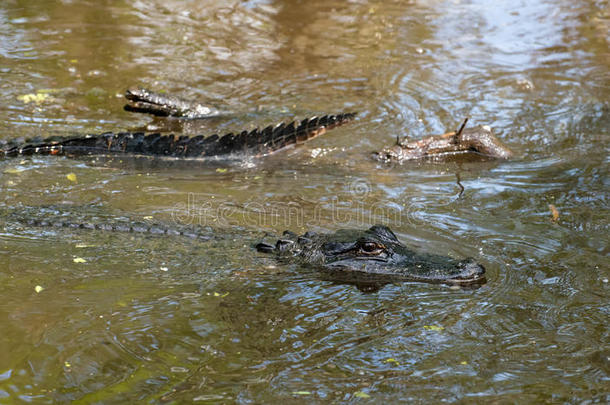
pixel 459 131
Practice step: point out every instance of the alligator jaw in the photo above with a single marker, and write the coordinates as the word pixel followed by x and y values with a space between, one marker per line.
pixel 470 273
pixel 474 276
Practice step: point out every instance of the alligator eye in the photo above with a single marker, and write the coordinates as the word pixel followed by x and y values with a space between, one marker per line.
pixel 371 248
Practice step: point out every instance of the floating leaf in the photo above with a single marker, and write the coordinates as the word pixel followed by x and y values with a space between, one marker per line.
pixel 37 98
pixel 464 363
pixel 554 213
pixel 79 260
pixel 391 360
pixel 148 217
pixel 71 177
pixel 13 170
pixel 301 392
pixel 360 394
pixel 221 170
pixel 47 91
pixel 433 327
pixel 83 245
pixel 38 288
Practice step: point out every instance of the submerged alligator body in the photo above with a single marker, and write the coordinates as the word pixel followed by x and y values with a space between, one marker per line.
pixel 372 258
pixel 258 142
pixel 45 217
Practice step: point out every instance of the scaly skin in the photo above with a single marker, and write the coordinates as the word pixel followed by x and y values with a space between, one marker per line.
pixel 373 257
pixel 254 143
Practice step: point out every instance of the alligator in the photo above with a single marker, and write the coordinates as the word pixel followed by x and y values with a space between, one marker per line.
pixel 479 141
pixel 369 259
pixel 255 143
pixel 372 258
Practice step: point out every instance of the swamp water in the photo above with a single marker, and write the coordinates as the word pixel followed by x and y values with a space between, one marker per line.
pixel 97 317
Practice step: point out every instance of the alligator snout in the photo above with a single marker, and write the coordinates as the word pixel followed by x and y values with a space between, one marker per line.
pixel 374 255
pixel 469 272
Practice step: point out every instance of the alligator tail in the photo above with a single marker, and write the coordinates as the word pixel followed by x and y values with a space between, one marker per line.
pixel 136 227
pixel 41 217
pixel 258 142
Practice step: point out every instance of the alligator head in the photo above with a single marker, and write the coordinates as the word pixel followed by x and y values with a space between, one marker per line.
pixel 478 140
pixel 373 257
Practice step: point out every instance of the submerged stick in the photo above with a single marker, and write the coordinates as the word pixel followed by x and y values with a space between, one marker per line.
pixel 459 183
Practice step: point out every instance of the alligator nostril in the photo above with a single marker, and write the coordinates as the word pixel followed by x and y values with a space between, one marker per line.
pixel 471 268
pixel 479 270
pixel 475 269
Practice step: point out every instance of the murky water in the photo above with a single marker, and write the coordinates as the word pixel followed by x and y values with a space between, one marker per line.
pixel 121 318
